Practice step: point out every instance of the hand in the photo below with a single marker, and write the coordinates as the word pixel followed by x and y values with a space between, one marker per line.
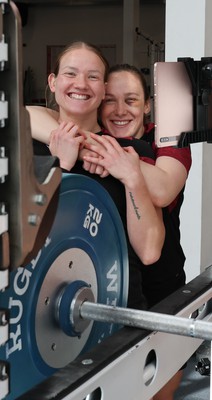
pixel 92 167
pixel 122 163
pixel 65 143
pixel 89 166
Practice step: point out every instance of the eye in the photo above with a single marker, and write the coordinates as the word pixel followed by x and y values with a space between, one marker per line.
pixel 131 100
pixel 70 74
pixel 93 77
pixel 108 100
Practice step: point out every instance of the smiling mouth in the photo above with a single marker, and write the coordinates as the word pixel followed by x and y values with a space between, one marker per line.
pixel 77 96
pixel 120 123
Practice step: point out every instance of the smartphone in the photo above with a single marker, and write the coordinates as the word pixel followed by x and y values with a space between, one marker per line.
pixel 173 102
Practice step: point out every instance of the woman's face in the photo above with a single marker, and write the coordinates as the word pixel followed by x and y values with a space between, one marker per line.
pixel 123 108
pixel 79 86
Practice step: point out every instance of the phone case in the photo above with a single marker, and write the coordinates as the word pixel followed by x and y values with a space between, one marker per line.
pixel 173 102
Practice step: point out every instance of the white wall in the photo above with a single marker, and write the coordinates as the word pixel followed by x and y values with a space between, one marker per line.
pixel 188 34
pixel 99 25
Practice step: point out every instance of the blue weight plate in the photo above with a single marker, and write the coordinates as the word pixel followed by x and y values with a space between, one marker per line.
pixel 87 242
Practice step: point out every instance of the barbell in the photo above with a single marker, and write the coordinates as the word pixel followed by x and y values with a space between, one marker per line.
pixel 73 294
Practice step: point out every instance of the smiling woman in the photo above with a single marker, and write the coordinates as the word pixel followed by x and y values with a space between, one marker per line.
pixel 125 104
pixel 79 87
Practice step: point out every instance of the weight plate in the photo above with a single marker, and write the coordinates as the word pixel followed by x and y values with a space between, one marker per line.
pixel 86 242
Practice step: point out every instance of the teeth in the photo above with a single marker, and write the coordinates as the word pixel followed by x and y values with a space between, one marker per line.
pixel 120 123
pixel 79 96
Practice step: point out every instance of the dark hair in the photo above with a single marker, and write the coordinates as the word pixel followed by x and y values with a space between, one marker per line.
pixel 136 72
pixel 50 97
pixel 133 70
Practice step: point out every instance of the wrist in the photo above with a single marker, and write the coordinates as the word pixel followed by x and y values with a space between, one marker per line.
pixel 135 180
pixel 65 166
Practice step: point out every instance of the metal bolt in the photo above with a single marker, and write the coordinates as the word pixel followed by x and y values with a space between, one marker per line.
pixel 203 366
pixel 3 319
pixel 87 361
pixel 4 164
pixel 40 199
pixel 34 219
pixel 2 209
pixel 2 152
pixel 3 371
pixel 47 301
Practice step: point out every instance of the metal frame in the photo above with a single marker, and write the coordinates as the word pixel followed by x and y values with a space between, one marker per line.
pixel 28 185
pixel 120 364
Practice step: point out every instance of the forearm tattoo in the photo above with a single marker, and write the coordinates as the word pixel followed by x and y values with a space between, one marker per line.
pixel 134 205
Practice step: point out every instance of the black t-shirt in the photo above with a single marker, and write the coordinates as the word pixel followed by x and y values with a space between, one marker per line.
pixel 116 190
pixel 155 281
